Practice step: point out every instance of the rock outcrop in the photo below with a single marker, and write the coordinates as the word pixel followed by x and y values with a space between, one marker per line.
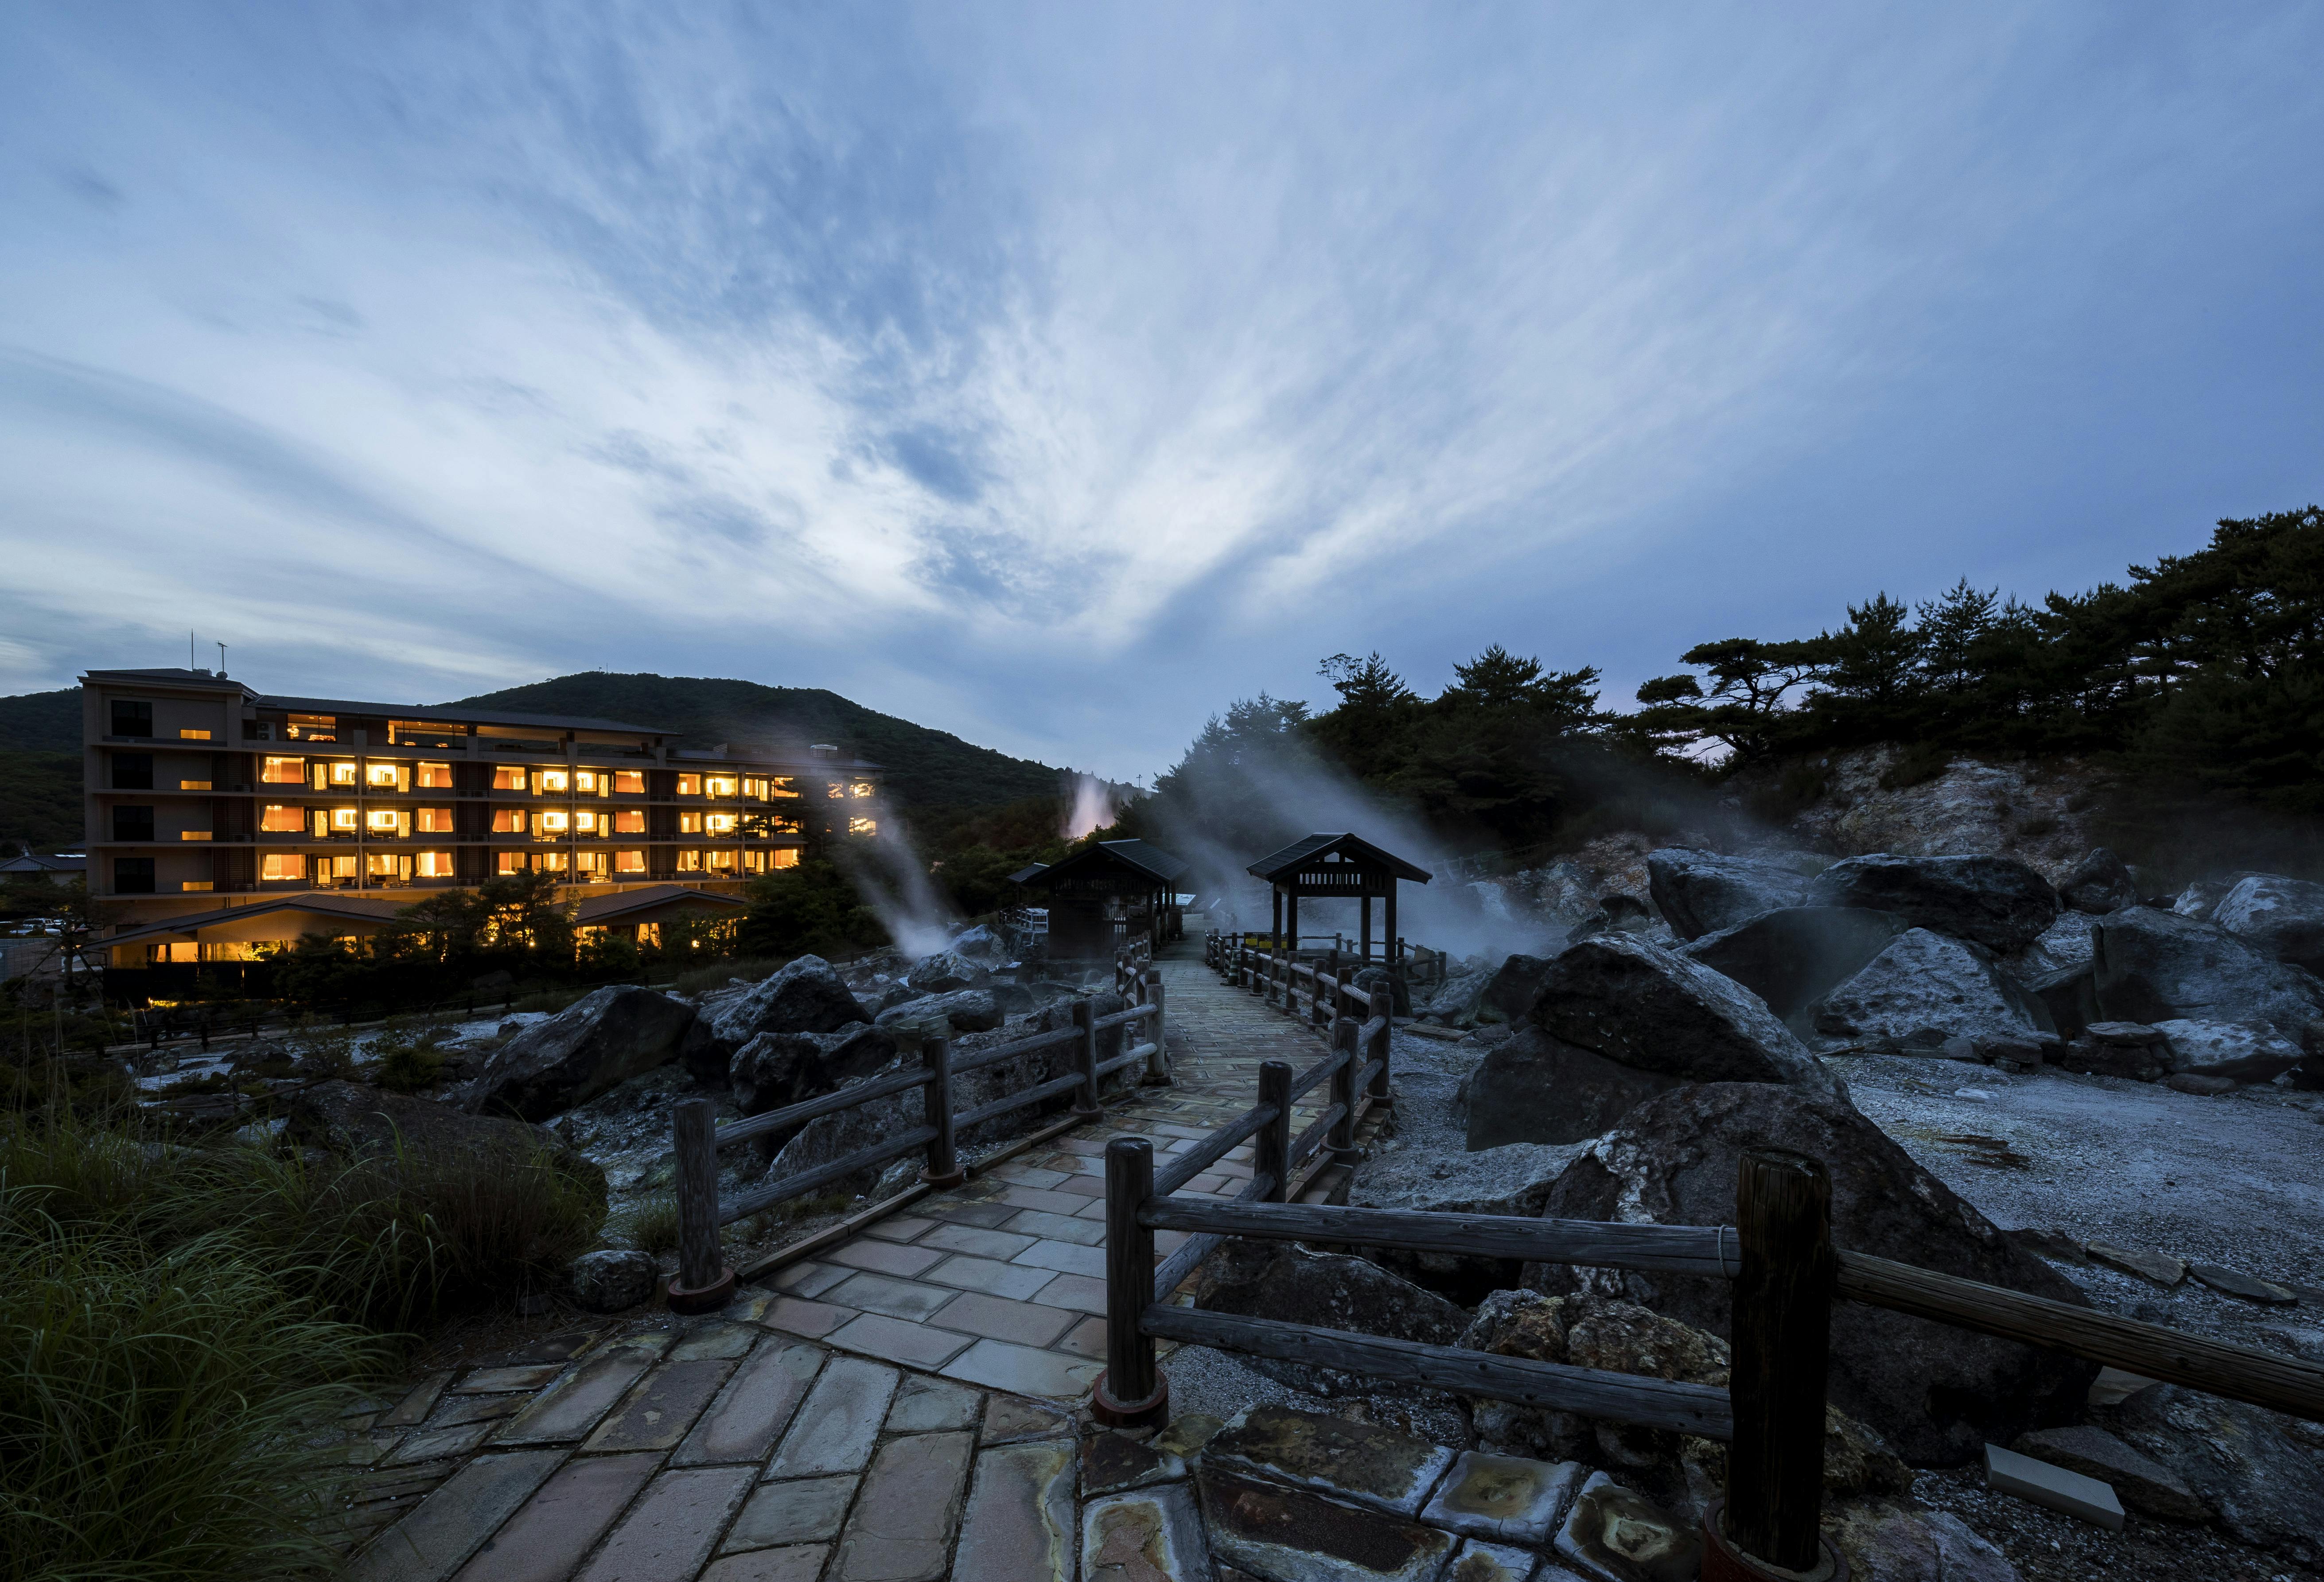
pixel 1290 1283
pixel 1703 892
pixel 1999 902
pixel 808 996
pixel 1923 989
pixel 2098 884
pixel 946 972
pixel 609 1280
pixel 941 1015
pixel 1933 1393
pixel 2260 1472
pixel 2155 966
pixel 603 1038
pixel 1654 1010
pixel 777 1069
pixel 1535 1087
pixel 2241 1052
pixel 1793 957
pixel 2283 916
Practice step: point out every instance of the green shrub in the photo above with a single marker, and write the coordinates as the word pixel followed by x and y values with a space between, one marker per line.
pixel 653 1224
pixel 1916 765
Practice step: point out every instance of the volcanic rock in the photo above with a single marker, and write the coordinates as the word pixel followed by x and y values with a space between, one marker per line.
pixel 1703 892
pixel 777 1069
pixel 2283 916
pixel 1654 1010
pixel 946 972
pixel 2245 1051
pixel 941 1015
pixel 2143 1483
pixel 808 996
pixel 1933 1393
pixel 1793 956
pixel 605 1037
pixel 611 1280
pixel 1898 1540
pixel 1923 989
pixel 1332 1291
pixel 1999 902
pixel 2099 883
pixel 979 944
pixel 2155 966
pixel 1536 1088
pixel 1508 994
pixel 2261 1473
pixel 357 1122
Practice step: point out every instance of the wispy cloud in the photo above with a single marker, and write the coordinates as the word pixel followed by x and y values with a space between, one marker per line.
pixel 995 367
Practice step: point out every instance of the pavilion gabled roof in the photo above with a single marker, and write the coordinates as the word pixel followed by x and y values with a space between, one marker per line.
pixel 1142 858
pixel 1349 848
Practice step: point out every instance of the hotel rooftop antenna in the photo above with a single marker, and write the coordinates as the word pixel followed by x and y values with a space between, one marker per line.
pixel 221 648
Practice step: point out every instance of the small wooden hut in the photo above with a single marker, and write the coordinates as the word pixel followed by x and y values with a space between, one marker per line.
pixel 1105 894
pixel 1342 868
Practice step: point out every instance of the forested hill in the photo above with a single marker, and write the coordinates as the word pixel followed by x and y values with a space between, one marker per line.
pixel 40 769
pixel 925 769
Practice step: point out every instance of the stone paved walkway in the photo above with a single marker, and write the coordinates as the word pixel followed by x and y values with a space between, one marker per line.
pixel 903 1396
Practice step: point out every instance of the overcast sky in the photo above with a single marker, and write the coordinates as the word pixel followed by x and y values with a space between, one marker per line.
pixel 1055 375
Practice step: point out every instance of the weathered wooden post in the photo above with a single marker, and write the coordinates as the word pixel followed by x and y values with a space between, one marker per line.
pixel 1158 1064
pixel 1342 1137
pixel 1334 962
pixel 1132 1392
pixel 702 1281
pixel 1270 1149
pixel 1782 1328
pixel 943 1168
pixel 1382 1005
pixel 1085 1099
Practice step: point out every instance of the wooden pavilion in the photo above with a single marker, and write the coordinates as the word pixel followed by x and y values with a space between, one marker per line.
pixel 1115 883
pixel 1340 867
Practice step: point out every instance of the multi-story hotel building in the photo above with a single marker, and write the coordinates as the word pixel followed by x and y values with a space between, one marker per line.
pixel 203 796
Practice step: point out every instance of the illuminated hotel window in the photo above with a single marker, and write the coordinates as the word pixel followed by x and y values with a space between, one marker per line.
pixel 689 861
pixel 508 862
pixel 553 823
pixel 549 861
pixel 322 817
pixel 689 785
pixel 508 777
pixel 720 859
pixel 586 781
pixel 860 788
pixel 283 771
pixel 862 826
pixel 343 818
pixel 379 774
pixel 755 786
pixel 781 788
pixel 835 791
pixel 280 865
pixel 589 862
pixel 435 777
pixel 381 821
pixel 193 736
pixel 551 780
pixel 508 821
pixel 313 728
pixel 690 824
pixel 193 834
pixel 630 861
pixel 433 821
pixel 630 782
pixel 721 785
pixel 385 865
pixel 193 784
pixel 277 819
pixel 629 822
pixel 435 865
pixel 196 884
pixel 343 774
pixel 586 821
pixel 720 824
pixel 788 857
pixel 341 867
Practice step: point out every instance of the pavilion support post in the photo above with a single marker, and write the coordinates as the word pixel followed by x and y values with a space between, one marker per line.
pixel 1364 907
pixel 1387 946
pixel 1291 924
pixel 1276 928
pixel 1342 1137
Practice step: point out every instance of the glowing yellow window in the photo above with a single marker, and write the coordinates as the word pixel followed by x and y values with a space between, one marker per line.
pixel 629 822
pixel 835 791
pixel 193 736
pixel 196 884
pixel 785 858
pixel 508 821
pixel 585 820
pixel 546 780
pixel 548 862
pixel 381 821
pixel 862 826
pixel 193 834
pixel 755 786
pixel 721 785
pixel 554 821
pixel 630 782
pixel 507 778
pixel 860 788
pixel 781 788
pixel 385 865
pixel 279 819
pixel 379 774
pixel 720 824
pixel 689 861
pixel 432 821
pixel 721 861
pixel 193 784
pixel 689 785
pixel 344 818
pixel 435 865
pixel 280 865
pixel 343 774
pixel 690 824
pixel 508 862
pixel 435 777
pixel 629 861
pixel 589 862
pixel 283 771
pixel 586 781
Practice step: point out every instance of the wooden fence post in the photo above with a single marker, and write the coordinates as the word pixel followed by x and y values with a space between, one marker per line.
pixel 943 1168
pixel 702 1283
pixel 1158 1064
pixel 1343 1138
pixel 1085 1099
pixel 1131 1392
pixel 1781 1328
pixel 1382 1005
pixel 1333 964
pixel 1270 1149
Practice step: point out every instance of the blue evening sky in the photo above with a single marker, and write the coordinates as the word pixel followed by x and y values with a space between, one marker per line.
pixel 1055 374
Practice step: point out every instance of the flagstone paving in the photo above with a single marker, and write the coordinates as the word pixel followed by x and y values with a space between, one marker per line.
pixel 867 1415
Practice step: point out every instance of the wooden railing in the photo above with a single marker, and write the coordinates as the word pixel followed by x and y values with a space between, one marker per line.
pixel 704 1280
pixel 1785 1276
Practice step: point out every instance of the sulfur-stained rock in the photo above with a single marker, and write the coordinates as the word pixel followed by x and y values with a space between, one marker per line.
pixel 1923 989
pixel 2155 966
pixel 1615 1535
pixel 2245 1051
pixel 1900 1540
pixel 1361 1463
pixel 1290 1535
pixel 605 1037
pixel 1656 1011
pixel 1504 1499
pixel 808 996
pixel 1792 958
pixel 2261 1473
pixel 2283 916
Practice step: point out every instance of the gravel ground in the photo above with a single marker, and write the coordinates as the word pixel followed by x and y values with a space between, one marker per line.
pixel 2046 1547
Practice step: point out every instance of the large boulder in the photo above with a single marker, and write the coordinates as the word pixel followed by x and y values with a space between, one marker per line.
pixel 605 1037
pixel 2099 883
pixel 1291 1284
pixel 2201 899
pixel 1459 1001
pixel 828 1138
pixel 1654 1010
pixel 611 1280
pixel 777 1069
pixel 1795 955
pixel 1509 992
pixel 942 1015
pixel 946 972
pixel 1997 901
pixel 357 1122
pixel 1703 892
pixel 1935 1393
pixel 1924 988
pixel 2283 916
pixel 2262 1472
pixel 2242 1052
pixel 980 944
pixel 808 996
pixel 1536 1088
pixel 2155 966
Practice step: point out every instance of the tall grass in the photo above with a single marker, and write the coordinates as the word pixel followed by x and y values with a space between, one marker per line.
pixel 175 1322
